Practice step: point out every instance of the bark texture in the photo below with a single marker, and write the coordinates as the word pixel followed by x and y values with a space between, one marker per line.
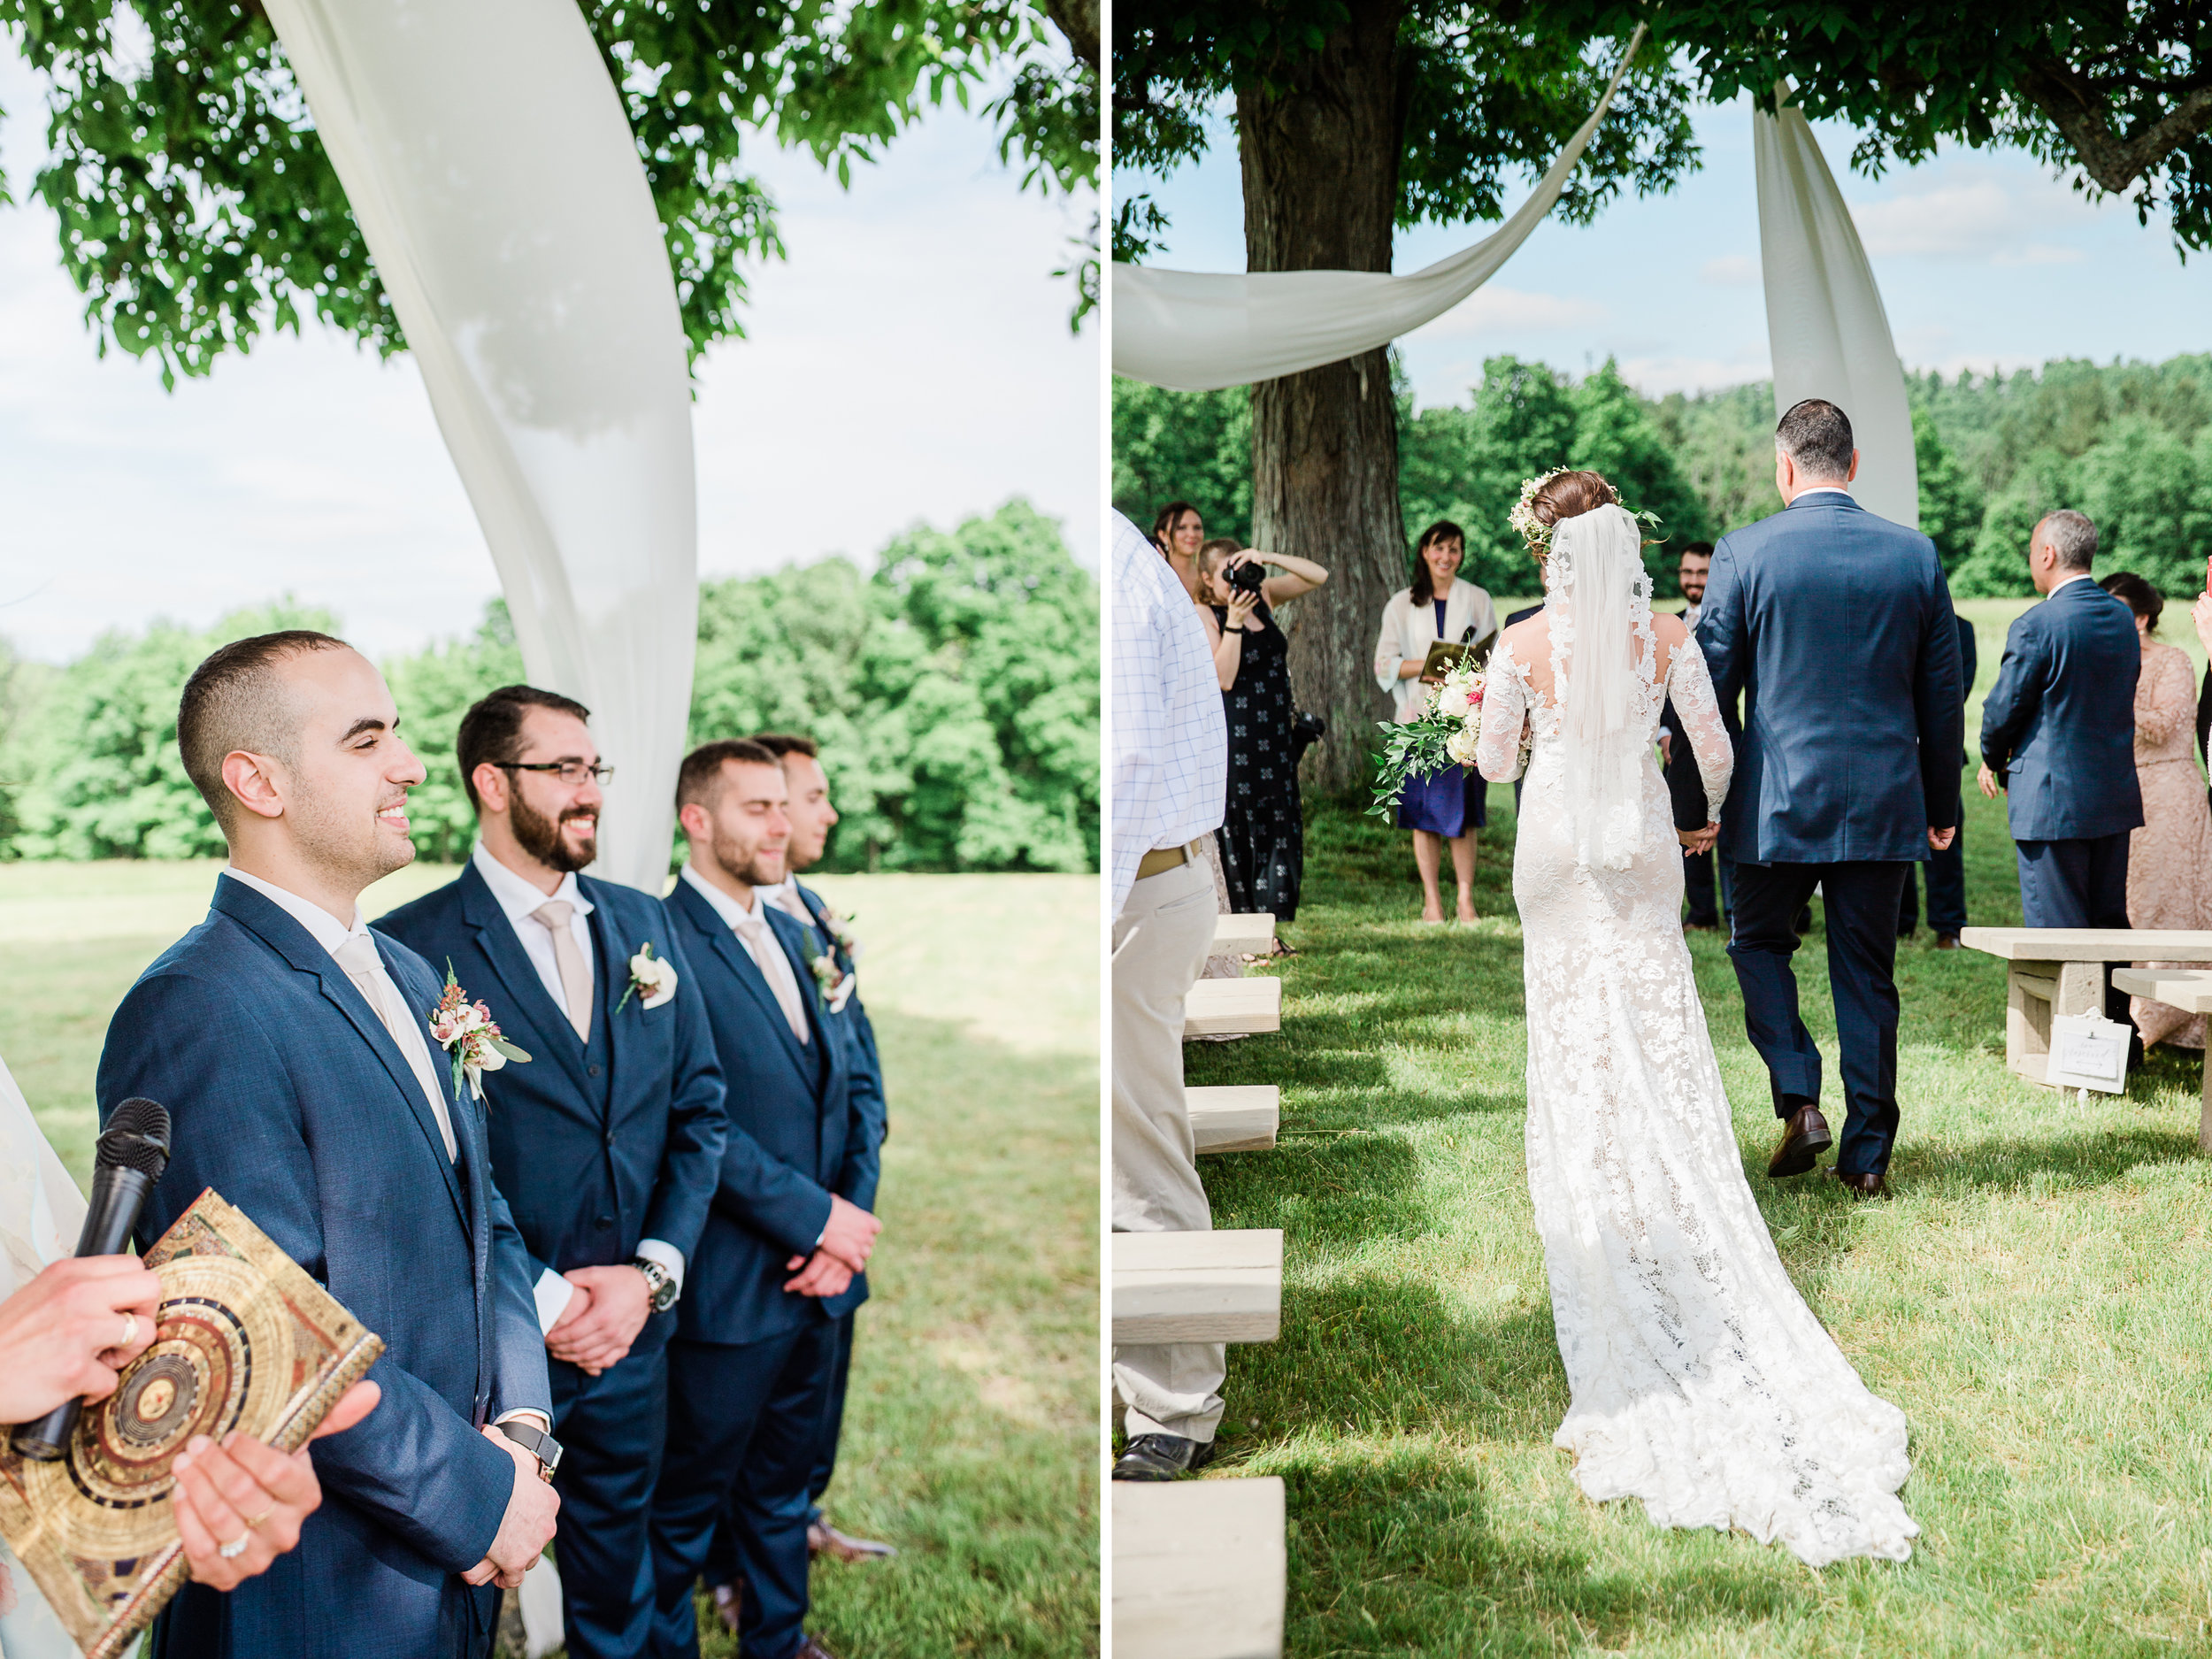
pixel 1320 164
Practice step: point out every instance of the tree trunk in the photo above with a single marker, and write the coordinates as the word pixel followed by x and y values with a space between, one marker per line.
pixel 1320 192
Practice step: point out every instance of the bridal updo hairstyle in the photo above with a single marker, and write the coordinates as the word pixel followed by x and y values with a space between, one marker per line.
pixel 2137 594
pixel 1566 496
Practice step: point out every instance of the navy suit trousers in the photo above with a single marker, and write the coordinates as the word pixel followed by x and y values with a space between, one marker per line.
pixel 723 1566
pixel 744 1429
pixel 1861 901
pixel 1946 890
pixel 2081 883
pixel 611 1428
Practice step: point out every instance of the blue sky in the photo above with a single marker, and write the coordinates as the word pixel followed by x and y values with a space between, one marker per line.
pixel 910 360
pixel 1985 259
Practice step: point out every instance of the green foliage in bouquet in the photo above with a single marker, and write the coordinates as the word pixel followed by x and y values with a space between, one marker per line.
pixel 1443 736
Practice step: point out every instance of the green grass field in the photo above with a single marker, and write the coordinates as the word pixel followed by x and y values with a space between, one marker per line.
pixel 2033 1297
pixel 972 1427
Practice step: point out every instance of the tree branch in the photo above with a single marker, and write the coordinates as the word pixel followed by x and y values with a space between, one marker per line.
pixel 2078 107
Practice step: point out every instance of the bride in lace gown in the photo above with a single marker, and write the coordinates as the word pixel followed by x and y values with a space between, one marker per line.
pixel 1698 1380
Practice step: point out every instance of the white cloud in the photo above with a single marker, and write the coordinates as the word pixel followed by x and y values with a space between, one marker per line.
pixel 1656 376
pixel 1493 309
pixel 1956 209
pixel 1731 271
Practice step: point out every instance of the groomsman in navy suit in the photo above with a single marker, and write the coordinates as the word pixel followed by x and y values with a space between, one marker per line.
pixel 607 1144
pixel 812 817
pixel 292 1047
pixel 2058 736
pixel 754 1361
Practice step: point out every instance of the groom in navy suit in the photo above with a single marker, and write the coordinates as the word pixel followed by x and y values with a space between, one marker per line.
pixel 292 1047
pixel 754 1361
pixel 607 1144
pixel 1836 627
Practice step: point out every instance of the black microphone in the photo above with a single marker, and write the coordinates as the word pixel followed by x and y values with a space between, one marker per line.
pixel 134 1150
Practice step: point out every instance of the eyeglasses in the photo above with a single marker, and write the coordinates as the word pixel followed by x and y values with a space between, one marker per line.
pixel 569 771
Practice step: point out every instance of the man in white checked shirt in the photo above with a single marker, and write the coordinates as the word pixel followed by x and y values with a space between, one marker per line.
pixel 1168 784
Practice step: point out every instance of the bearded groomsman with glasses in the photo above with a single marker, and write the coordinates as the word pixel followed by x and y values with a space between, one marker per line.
pixel 607 1143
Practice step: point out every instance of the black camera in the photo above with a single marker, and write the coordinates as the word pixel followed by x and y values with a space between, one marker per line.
pixel 1247 578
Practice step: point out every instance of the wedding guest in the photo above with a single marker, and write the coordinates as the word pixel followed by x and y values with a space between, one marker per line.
pixel 607 1144
pixel 2170 858
pixel 1167 777
pixel 753 1364
pixel 1947 867
pixel 292 1047
pixel 1684 790
pixel 1448 807
pixel 2058 736
pixel 1179 533
pixel 1263 836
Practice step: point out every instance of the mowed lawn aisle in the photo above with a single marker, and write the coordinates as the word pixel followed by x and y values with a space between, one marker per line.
pixel 971 1430
pixel 2034 1297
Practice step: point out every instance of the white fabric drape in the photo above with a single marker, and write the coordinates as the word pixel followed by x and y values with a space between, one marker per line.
pixel 1826 328
pixel 490 165
pixel 1197 332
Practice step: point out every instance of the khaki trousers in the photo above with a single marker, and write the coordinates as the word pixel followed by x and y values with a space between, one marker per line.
pixel 1173 1388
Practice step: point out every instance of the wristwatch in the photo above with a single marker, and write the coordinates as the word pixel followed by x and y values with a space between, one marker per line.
pixel 537 1442
pixel 658 1281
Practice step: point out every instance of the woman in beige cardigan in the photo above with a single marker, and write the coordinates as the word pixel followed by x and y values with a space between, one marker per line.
pixel 1447 806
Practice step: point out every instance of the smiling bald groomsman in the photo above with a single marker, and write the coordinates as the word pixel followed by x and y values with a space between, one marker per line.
pixel 755 1358
pixel 291 1045
pixel 608 1144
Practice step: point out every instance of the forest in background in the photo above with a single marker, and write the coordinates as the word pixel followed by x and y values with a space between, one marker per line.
pixel 954 691
pixel 2128 443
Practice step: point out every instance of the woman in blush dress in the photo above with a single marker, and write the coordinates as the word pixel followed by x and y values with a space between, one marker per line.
pixel 2170 858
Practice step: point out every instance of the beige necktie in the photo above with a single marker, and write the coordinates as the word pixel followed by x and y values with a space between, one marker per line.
pixel 768 956
pixel 357 957
pixel 575 977
pixel 791 904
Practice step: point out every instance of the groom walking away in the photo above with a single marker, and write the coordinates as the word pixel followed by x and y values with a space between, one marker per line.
pixel 1844 773
pixel 292 1047
pixel 2058 735
pixel 607 1144
pixel 1168 781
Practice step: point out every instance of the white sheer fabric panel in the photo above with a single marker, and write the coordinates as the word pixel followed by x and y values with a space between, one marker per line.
pixel 491 168
pixel 1197 331
pixel 1825 326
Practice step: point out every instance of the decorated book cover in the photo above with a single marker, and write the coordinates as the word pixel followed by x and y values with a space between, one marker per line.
pixel 245 1339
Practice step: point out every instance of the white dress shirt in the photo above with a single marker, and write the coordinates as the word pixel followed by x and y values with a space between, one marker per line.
pixel 784 896
pixel 518 898
pixel 1168 781
pixel 768 956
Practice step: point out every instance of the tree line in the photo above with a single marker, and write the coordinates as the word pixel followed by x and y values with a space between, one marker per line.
pixel 954 691
pixel 2128 443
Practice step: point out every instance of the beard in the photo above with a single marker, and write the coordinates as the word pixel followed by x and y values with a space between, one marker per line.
pixel 748 864
pixel 542 839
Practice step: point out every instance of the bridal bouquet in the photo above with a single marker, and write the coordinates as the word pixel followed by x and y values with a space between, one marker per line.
pixel 1442 735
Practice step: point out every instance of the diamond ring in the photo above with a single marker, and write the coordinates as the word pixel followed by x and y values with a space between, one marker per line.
pixel 235 1547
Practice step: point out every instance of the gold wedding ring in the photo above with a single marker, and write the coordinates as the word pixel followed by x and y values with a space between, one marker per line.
pixel 235 1547
pixel 130 1330
pixel 261 1520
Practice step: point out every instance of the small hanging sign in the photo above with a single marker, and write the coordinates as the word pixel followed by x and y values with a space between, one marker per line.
pixel 2088 1052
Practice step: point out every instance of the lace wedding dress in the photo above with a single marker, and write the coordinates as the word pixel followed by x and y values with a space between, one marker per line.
pixel 1698 1380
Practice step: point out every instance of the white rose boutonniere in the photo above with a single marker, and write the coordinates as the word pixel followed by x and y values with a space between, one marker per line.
pixel 836 984
pixel 652 980
pixel 471 1038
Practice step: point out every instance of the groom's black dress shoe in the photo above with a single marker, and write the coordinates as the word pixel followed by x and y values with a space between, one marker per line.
pixel 1804 1138
pixel 1161 1457
pixel 1861 1186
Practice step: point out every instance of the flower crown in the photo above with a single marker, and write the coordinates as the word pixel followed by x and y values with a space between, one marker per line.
pixel 1537 533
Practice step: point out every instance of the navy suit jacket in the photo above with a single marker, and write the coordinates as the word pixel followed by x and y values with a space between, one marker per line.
pixel 798 1134
pixel 1836 627
pixel 852 1024
pixel 2058 727
pixel 289 1097
pixel 597 1144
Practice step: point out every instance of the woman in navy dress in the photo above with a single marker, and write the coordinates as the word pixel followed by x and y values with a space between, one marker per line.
pixel 1448 805
pixel 1263 835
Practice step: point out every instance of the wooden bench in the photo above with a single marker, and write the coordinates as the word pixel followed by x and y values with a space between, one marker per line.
pixel 2188 990
pixel 1241 1118
pixel 1232 1007
pixel 2061 971
pixel 1199 1568
pixel 1222 1287
pixel 1252 934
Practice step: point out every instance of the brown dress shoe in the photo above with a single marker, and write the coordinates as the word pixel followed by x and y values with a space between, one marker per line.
pixel 1804 1138
pixel 1947 942
pixel 1861 1186
pixel 812 1649
pixel 822 1539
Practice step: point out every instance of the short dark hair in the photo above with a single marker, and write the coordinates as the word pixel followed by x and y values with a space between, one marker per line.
pixel 1816 436
pixel 1165 522
pixel 229 704
pixel 2137 594
pixel 492 729
pixel 2070 535
pixel 1423 583
pixel 1697 550
pixel 782 743
pixel 700 778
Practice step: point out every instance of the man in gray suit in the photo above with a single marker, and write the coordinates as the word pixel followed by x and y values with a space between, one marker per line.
pixel 1845 772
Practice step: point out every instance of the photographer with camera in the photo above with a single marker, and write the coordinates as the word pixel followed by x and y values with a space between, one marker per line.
pixel 1263 836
